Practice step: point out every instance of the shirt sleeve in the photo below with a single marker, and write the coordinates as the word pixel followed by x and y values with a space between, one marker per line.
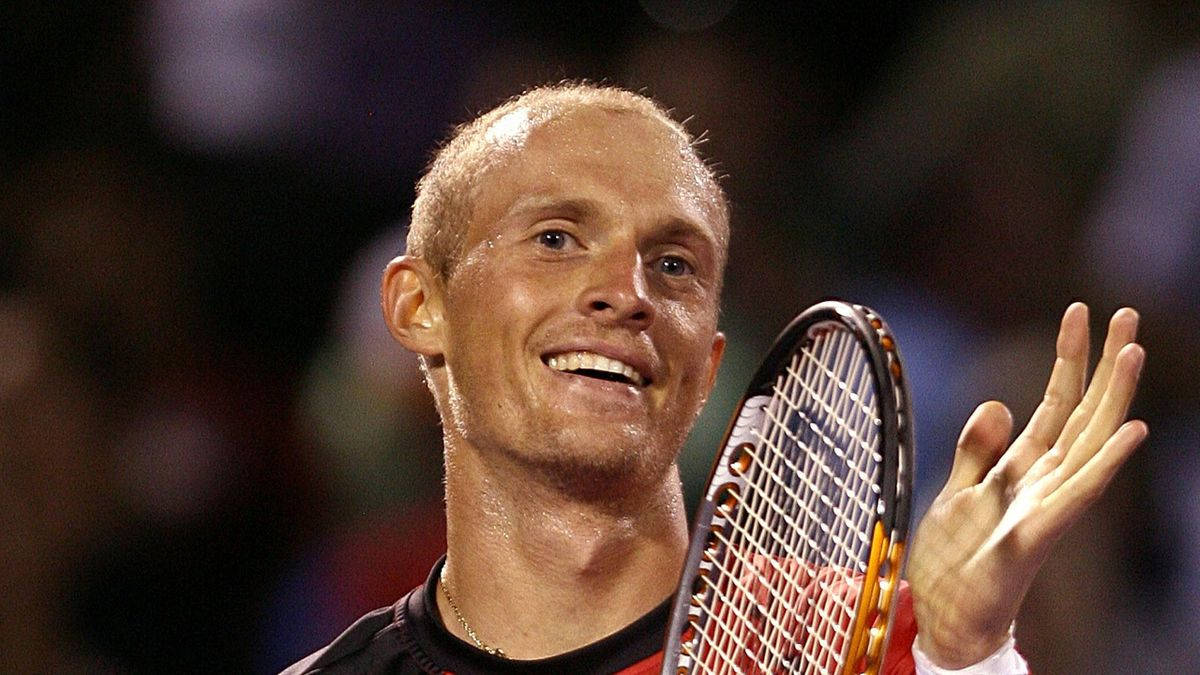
pixel 1004 661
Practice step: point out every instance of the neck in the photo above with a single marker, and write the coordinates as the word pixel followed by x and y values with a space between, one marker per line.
pixel 536 573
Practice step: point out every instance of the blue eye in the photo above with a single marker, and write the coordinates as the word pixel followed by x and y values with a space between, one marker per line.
pixel 555 240
pixel 674 266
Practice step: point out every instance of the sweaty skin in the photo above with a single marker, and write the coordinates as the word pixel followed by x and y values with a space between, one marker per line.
pixel 596 233
pixel 565 516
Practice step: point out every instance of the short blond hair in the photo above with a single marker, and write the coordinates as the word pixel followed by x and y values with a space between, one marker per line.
pixel 446 193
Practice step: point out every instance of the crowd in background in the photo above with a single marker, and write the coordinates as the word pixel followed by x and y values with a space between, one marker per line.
pixel 213 457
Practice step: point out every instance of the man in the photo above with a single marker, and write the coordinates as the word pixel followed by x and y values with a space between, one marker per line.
pixel 561 287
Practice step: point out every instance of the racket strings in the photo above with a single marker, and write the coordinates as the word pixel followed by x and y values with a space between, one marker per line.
pixel 841 510
pixel 815 457
pixel 768 637
pixel 737 611
pixel 844 522
pixel 836 401
pixel 753 535
pixel 748 538
pixel 788 576
pixel 741 630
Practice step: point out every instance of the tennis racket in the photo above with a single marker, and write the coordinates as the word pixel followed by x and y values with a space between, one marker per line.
pixel 798 544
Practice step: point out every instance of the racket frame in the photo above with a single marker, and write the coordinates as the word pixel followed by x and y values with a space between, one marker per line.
pixel 890 529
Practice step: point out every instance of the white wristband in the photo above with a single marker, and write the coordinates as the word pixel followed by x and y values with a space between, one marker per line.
pixel 1004 661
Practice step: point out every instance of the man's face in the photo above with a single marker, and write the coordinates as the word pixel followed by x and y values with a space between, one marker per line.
pixel 580 323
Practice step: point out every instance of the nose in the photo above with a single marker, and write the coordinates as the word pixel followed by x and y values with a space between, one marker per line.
pixel 616 293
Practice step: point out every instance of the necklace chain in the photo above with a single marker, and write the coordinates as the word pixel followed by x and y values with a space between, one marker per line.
pixel 494 651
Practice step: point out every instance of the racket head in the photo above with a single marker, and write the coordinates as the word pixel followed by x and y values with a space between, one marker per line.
pixel 749 602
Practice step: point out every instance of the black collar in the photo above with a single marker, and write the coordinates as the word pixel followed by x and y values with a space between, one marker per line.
pixel 636 642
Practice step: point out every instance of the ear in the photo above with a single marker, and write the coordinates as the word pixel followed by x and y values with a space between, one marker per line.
pixel 411 300
pixel 714 358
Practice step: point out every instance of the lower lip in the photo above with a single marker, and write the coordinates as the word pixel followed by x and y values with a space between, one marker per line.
pixel 600 392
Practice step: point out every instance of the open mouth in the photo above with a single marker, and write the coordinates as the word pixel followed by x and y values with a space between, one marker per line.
pixel 591 364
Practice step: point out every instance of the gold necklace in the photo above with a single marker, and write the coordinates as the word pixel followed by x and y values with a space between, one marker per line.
pixel 494 651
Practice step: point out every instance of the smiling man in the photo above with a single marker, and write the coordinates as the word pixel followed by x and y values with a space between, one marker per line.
pixel 561 286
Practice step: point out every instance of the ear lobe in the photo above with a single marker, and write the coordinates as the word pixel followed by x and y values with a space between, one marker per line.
pixel 411 305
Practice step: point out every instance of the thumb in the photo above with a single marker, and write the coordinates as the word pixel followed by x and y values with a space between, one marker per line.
pixel 983 440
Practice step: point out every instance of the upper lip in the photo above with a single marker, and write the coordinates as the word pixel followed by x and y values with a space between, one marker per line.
pixel 633 357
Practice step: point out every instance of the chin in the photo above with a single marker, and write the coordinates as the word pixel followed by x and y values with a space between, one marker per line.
pixel 625 464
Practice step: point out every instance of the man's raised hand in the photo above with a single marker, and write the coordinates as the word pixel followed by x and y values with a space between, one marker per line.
pixel 992 526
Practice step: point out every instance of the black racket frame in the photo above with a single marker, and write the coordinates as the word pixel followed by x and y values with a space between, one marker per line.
pixel 896 470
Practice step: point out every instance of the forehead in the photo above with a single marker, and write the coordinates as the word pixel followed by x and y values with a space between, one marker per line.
pixel 627 158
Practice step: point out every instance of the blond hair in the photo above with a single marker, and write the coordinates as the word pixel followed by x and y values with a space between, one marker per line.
pixel 447 192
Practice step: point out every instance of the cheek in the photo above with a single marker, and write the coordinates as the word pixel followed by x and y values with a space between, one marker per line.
pixel 493 315
pixel 693 333
pixel 691 317
pixel 495 278
pixel 690 326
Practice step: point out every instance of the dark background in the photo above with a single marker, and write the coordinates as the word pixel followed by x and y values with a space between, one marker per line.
pixel 212 456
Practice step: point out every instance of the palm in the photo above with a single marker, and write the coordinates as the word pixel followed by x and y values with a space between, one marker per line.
pixel 985 536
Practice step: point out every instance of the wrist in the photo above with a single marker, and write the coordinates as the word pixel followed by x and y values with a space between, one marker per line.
pixel 1004 661
pixel 957 651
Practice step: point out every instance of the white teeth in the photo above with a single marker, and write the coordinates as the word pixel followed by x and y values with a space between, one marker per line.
pixel 593 361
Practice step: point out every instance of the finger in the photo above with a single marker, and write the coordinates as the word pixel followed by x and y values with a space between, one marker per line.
pixel 1063 505
pixel 1063 391
pixel 981 443
pixel 1122 330
pixel 1112 409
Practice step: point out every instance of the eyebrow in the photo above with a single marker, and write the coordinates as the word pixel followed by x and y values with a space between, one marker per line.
pixel 681 228
pixel 534 202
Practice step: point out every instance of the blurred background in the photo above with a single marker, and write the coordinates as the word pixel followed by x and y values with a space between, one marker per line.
pixel 212 455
